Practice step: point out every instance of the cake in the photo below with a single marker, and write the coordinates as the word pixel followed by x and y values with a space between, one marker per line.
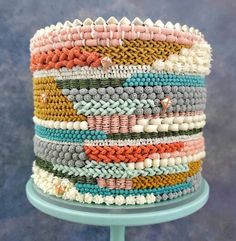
pixel 119 110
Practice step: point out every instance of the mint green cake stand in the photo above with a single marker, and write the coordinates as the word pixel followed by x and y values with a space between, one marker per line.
pixel 117 218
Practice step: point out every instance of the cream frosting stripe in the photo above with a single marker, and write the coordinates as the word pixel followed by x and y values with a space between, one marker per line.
pixel 64 125
pixel 149 167
pixel 190 122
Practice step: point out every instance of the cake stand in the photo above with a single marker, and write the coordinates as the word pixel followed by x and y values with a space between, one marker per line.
pixel 117 218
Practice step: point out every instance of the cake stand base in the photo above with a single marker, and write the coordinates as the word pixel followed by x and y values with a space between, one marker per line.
pixel 116 217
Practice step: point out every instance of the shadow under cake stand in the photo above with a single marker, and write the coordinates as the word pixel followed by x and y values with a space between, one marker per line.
pixel 117 218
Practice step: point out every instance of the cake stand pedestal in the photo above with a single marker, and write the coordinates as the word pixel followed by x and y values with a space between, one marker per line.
pixel 116 217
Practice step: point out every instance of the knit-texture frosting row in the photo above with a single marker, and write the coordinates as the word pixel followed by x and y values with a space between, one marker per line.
pixel 119 109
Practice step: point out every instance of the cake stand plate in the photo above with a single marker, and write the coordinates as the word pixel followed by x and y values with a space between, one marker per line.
pixel 117 217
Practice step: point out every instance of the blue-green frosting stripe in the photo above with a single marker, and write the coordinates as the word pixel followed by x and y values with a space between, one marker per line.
pixel 164 79
pixel 69 135
pixel 96 190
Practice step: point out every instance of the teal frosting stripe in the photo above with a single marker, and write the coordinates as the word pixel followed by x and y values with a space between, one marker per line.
pixel 164 79
pixel 96 190
pixel 69 135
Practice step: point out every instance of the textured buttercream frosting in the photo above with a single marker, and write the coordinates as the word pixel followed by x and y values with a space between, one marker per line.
pixel 119 108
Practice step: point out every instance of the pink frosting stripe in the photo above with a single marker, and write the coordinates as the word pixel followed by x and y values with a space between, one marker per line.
pixel 190 148
pixel 113 28
pixel 113 183
pixel 111 36
pixel 112 124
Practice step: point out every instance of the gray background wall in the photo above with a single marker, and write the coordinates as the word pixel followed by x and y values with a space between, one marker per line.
pixel 18 22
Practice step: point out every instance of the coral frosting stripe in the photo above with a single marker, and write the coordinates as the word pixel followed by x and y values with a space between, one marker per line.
pixel 64 58
pixel 140 153
pixel 129 153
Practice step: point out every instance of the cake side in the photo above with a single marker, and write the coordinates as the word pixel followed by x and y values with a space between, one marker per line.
pixel 119 110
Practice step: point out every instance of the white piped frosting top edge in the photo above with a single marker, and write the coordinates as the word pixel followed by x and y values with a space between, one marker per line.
pixel 112 20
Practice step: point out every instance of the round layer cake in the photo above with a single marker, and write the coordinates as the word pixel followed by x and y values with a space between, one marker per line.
pixel 119 110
